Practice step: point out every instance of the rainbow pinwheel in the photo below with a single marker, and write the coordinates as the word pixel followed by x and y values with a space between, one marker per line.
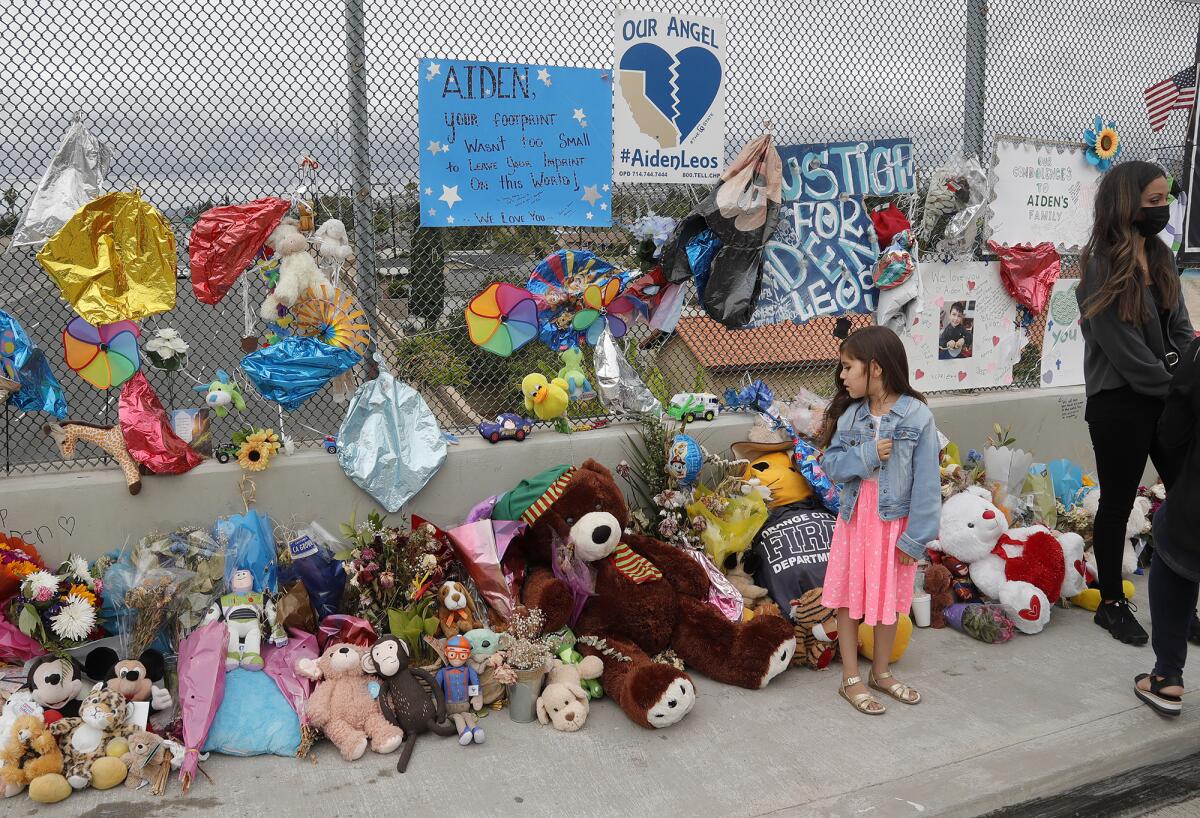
pixel 104 356
pixel 502 319
pixel 602 302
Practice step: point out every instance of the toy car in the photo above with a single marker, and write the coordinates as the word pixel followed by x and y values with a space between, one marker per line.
pixel 688 406
pixel 330 444
pixel 506 426
pixel 225 453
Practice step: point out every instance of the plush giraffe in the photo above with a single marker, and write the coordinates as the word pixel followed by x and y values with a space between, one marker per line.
pixel 108 438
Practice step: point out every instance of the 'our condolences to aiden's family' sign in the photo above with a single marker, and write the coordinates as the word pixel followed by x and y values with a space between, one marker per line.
pixel 1041 192
pixel 822 254
pixel 512 143
pixel 670 111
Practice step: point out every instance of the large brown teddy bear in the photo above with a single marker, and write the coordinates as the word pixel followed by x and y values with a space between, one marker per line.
pixel 648 597
pixel 342 705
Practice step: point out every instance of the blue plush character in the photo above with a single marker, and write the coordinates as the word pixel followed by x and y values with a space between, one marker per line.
pixel 460 683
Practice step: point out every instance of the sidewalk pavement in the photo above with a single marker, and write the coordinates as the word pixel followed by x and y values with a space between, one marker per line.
pixel 999 724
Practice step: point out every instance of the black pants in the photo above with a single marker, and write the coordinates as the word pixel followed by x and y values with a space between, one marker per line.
pixel 1124 429
pixel 1172 601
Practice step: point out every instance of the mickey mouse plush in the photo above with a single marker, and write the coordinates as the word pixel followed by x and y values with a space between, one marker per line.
pixel 138 680
pixel 55 684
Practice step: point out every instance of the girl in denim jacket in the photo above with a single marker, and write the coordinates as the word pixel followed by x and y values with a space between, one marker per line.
pixel 881 443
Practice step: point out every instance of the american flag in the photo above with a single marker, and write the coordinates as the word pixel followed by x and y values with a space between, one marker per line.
pixel 1177 93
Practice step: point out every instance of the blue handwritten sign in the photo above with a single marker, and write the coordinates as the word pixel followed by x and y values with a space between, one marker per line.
pixel 821 256
pixel 512 143
pixel 822 172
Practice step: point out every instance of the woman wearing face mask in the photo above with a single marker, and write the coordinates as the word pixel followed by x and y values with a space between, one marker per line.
pixel 1135 326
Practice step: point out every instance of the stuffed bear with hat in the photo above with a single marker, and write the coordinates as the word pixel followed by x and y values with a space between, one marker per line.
pixel 1026 569
pixel 647 597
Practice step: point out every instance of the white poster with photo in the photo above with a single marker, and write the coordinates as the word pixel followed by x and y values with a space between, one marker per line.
pixel 669 105
pixel 965 335
pixel 1062 345
pixel 1041 192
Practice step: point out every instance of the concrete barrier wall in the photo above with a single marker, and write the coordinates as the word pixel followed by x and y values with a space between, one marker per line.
pixel 91 512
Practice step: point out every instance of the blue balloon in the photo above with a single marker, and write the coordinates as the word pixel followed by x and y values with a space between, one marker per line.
pixel 685 458
pixel 40 390
pixel 295 369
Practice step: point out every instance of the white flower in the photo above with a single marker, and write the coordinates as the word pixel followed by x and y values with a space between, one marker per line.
pixel 1159 491
pixel 428 562
pixel 79 567
pixel 76 619
pixel 166 344
pixel 39 580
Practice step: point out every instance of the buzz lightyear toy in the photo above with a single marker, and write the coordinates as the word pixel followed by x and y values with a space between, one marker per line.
pixel 244 611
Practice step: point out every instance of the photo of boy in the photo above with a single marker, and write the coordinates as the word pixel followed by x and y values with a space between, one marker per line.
pixel 958 331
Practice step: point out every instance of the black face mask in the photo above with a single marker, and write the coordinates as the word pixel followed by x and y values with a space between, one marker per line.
pixel 1153 221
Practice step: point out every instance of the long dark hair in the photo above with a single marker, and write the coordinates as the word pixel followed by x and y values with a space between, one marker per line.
pixel 1114 243
pixel 870 344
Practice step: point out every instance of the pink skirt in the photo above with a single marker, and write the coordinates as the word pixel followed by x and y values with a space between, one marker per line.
pixel 864 572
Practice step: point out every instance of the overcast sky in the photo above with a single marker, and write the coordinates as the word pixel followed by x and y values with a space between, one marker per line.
pixel 208 97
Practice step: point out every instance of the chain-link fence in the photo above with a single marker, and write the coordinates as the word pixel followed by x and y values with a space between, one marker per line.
pixel 206 102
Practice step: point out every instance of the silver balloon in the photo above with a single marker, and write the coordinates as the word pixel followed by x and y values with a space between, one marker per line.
pixel 390 444
pixel 617 382
pixel 73 178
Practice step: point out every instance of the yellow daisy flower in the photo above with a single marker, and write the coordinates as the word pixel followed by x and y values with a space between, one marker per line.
pixel 254 456
pixel 83 592
pixel 22 569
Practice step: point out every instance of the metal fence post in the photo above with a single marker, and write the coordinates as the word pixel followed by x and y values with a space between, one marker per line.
pixel 364 226
pixel 975 78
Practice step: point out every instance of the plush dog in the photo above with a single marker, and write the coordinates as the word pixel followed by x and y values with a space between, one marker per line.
pixel 150 759
pixel 30 751
pixel 456 610
pixel 564 703
pixel 342 705
pixel 648 597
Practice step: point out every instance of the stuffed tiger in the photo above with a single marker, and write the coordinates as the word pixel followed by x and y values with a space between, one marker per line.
pixel 85 739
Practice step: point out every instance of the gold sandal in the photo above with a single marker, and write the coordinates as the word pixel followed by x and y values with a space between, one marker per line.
pixel 860 701
pixel 898 691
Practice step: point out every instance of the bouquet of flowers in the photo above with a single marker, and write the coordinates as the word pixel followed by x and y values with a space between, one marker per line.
pixel 18 559
pixel 388 567
pixel 166 350
pixel 522 647
pixel 59 609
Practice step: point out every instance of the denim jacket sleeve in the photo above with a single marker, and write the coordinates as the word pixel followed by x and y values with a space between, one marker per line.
pixel 842 462
pixel 925 501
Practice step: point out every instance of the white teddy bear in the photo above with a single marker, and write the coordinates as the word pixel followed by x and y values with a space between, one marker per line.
pixel 333 244
pixel 1026 569
pixel 1137 525
pixel 297 269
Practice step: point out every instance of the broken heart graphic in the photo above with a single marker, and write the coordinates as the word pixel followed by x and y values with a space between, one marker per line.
pixel 679 88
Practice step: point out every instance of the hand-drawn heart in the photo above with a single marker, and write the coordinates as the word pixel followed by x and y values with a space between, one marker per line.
pixel 916 320
pixel 1048 376
pixel 995 340
pixel 1034 612
pixel 970 285
pixel 1008 379
pixel 920 373
pixel 67 524
pixel 678 89
pixel 939 302
pixel 918 339
pixel 991 367
pixel 962 376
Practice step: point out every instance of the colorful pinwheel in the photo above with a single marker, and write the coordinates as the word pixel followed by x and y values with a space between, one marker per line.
pixel 104 356
pixel 559 283
pixel 602 303
pixel 502 319
pixel 331 315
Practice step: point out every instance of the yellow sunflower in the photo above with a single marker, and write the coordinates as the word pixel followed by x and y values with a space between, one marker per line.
pixel 265 438
pixel 83 592
pixel 1108 143
pixel 254 456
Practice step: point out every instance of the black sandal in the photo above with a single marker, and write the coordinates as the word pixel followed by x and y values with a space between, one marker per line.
pixel 1161 703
